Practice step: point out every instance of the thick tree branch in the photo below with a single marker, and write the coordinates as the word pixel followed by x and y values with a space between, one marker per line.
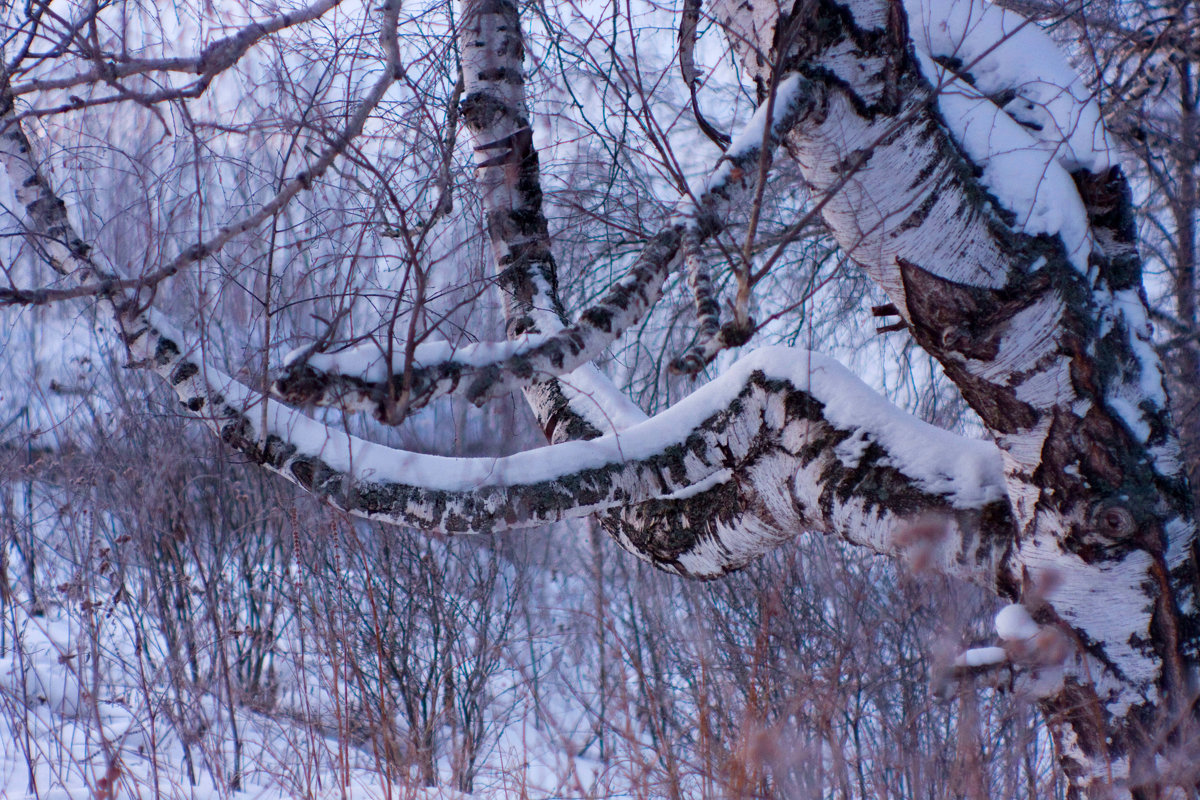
pixel 213 60
pixel 1017 279
pixel 790 433
pixel 364 378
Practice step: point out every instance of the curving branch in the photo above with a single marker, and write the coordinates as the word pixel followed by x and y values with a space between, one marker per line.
pixel 1006 251
pixel 708 313
pixel 689 21
pixel 364 379
pixel 814 447
pixel 66 253
pixel 789 435
pixel 789 441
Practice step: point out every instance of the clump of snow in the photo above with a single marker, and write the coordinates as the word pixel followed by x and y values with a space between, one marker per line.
pixel 749 138
pixel 590 390
pixel 1004 52
pixel 1013 623
pixel 851 451
pixel 981 657
pixel 1025 176
pixel 1027 148
pixel 1126 397
pixel 968 471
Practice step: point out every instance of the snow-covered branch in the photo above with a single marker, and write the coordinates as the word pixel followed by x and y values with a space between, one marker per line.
pixel 786 441
pixel 787 434
pixel 394 381
pixel 1007 247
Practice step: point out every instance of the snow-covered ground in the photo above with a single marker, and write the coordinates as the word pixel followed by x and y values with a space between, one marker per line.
pixel 86 704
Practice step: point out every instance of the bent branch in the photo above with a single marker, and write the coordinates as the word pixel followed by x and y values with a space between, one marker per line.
pixel 1007 251
pixel 788 439
pixel 364 379
pixel 813 447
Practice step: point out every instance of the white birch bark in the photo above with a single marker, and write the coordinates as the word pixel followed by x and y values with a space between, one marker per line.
pixel 1041 323
pixel 748 462
pixel 1081 509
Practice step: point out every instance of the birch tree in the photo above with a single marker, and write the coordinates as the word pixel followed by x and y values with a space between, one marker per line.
pixel 957 160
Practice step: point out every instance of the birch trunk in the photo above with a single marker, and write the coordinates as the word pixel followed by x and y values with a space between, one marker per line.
pixel 1053 356
pixel 1080 510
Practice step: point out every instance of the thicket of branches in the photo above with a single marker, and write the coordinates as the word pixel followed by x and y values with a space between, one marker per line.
pixel 206 599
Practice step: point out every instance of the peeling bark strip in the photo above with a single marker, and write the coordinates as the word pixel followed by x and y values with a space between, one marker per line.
pixel 1042 328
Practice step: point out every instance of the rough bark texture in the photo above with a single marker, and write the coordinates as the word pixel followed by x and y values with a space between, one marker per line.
pixel 1050 356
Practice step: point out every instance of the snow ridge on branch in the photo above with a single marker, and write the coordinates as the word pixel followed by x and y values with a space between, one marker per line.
pixel 813 442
